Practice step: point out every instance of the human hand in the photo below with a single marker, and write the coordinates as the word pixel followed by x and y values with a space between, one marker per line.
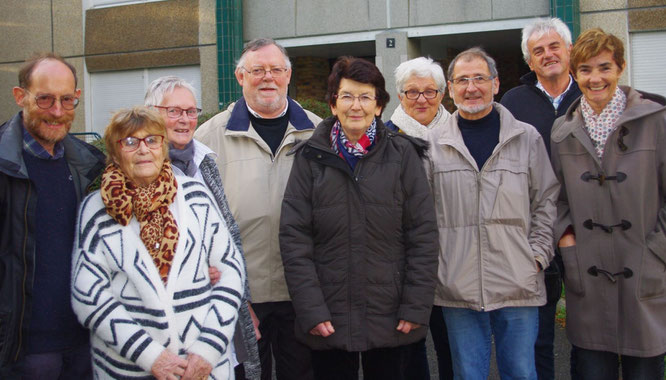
pixel 197 368
pixel 405 326
pixel 168 366
pixel 567 240
pixel 214 275
pixel 323 329
pixel 255 321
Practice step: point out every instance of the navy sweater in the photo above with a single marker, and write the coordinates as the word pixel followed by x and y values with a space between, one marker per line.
pixel 481 136
pixel 53 325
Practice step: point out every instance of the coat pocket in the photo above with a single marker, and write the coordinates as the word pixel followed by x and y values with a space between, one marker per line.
pixel 573 281
pixel 652 282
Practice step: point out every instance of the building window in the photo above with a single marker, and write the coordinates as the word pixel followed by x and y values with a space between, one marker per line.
pixel 647 62
pixel 111 91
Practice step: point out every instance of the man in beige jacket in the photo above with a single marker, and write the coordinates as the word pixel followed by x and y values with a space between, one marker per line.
pixel 495 194
pixel 252 138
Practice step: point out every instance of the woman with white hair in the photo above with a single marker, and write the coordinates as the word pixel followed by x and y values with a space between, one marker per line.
pixel 175 100
pixel 421 83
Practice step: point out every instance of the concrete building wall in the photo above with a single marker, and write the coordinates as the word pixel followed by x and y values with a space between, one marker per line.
pixel 29 26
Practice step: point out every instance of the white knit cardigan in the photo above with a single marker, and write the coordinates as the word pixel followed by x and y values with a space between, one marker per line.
pixel 117 292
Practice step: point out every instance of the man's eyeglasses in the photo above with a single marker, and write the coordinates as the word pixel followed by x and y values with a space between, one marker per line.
pixel 260 72
pixel 477 80
pixel 131 143
pixel 347 100
pixel 175 112
pixel 46 101
pixel 413 94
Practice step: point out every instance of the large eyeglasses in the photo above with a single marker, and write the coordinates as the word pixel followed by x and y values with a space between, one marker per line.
pixel 413 94
pixel 46 101
pixel 175 112
pixel 131 143
pixel 347 100
pixel 477 80
pixel 260 72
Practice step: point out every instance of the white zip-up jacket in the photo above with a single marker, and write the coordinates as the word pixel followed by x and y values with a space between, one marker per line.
pixel 495 222
pixel 254 181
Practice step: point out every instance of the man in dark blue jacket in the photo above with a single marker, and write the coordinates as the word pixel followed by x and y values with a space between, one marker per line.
pixel 44 174
pixel 546 93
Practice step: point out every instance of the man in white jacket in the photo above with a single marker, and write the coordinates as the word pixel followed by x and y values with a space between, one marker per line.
pixel 252 138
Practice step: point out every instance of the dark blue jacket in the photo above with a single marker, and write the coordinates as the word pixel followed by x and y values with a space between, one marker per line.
pixel 18 200
pixel 530 105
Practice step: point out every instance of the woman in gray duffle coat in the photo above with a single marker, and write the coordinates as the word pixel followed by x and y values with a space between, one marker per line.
pixel 609 153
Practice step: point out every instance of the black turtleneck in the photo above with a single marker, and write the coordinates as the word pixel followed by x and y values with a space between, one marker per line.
pixel 481 136
pixel 271 130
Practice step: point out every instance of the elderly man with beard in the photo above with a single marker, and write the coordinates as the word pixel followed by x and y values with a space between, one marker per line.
pixel 44 173
pixel 495 194
pixel 252 138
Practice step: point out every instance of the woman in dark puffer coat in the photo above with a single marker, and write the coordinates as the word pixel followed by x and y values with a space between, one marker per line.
pixel 358 234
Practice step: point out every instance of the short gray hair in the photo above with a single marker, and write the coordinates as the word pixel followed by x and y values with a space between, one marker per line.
pixel 161 87
pixel 257 44
pixel 420 67
pixel 541 27
pixel 468 55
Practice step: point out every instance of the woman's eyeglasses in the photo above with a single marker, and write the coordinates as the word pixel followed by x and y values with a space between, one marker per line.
pixel 131 143
pixel 413 94
pixel 175 112
pixel 347 100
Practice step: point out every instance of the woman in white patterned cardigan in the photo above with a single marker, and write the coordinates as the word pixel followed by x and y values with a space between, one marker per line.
pixel 140 279
pixel 175 100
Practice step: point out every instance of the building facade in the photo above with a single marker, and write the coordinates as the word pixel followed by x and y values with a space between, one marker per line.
pixel 119 47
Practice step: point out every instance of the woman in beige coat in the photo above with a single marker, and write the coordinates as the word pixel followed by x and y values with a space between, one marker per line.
pixel 609 154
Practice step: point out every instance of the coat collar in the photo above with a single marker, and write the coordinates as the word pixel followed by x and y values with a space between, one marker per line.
pixel 240 116
pixel 450 134
pixel 639 104
pixel 86 159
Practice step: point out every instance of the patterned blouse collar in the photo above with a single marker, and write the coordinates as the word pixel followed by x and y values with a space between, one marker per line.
pixel 599 127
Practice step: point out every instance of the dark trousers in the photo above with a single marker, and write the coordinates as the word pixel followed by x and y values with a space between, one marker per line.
pixel 378 364
pixel 544 357
pixel 602 365
pixel 417 367
pixel 75 364
pixel 292 358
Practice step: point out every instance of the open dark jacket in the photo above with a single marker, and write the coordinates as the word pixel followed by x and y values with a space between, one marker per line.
pixel 615 277
pixel 530 105
pixel 18 201
pixel 359 248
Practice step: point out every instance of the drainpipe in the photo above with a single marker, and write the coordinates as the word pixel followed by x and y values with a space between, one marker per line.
pixel 229 23
pixel 569 12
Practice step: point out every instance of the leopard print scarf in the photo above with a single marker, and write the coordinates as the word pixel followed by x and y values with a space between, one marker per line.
pixel 150 205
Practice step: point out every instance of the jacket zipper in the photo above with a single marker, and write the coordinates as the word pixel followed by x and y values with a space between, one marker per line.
pixel 478 213
pixel 478 233
pixel 354 177
pixel 25 274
